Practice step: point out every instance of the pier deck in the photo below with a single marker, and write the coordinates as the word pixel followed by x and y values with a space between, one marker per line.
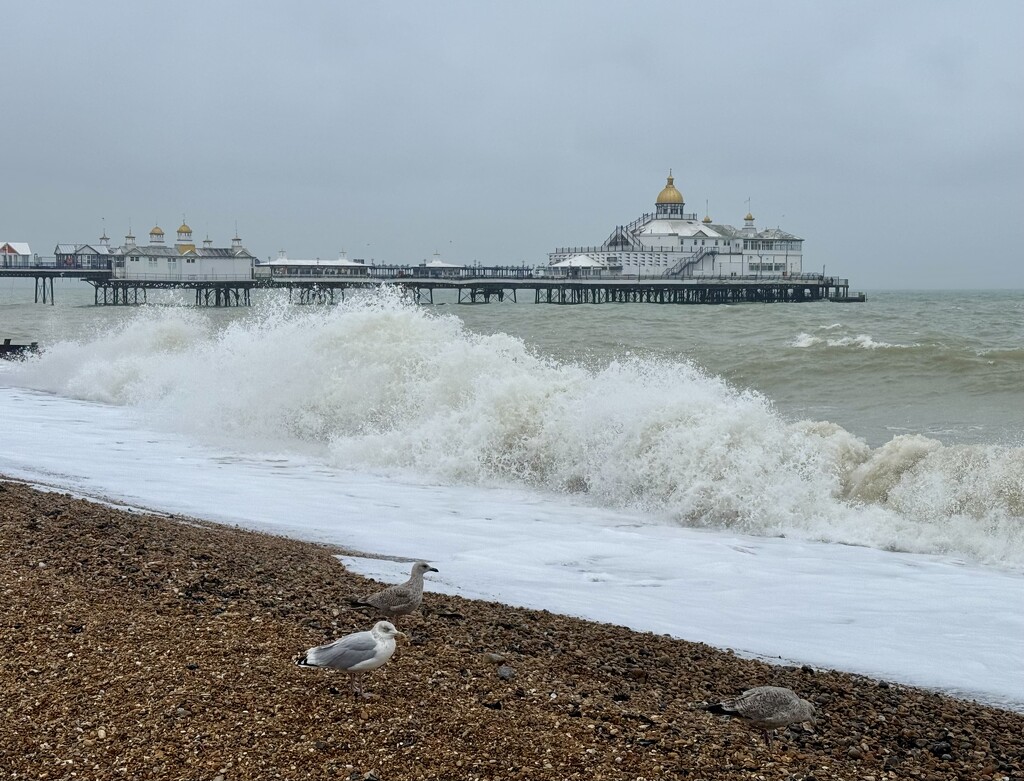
pixel 597 290
pixel 472 285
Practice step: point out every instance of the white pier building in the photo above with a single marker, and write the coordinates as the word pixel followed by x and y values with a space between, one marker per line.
pixel 672 243
pixel 184 261
pixel 14 254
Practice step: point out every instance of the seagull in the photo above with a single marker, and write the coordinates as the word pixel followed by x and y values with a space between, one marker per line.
pixel 766 708
pixel 402 599
pixel 355 654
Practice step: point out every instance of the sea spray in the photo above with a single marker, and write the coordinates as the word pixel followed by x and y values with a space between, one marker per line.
pixel 375 383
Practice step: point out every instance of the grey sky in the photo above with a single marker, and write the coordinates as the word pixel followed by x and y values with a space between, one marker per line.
pixel 888 135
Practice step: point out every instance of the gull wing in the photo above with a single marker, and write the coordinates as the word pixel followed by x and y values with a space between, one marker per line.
pixel 395 598
pixel 345 652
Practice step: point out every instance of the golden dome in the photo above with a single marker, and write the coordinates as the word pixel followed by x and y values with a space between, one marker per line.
pixel 157 231
pixel 670 194
pixel 749 217
pixel 184 228
pixel 706 220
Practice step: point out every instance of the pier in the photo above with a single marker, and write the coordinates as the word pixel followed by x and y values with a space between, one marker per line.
pixel 211 292
pixel 472 285
pixel 43 275
pixel 655 290
pixel 485 285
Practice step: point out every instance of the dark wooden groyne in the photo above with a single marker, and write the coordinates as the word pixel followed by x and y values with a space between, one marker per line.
pixel 10 351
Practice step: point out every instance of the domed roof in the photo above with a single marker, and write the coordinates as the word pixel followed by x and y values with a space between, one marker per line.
pixel 749 217
pixel 184 228
pixel 157 231
pixel 670 194
pixel 706 220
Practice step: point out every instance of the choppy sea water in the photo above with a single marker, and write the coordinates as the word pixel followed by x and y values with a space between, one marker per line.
pixel 837 484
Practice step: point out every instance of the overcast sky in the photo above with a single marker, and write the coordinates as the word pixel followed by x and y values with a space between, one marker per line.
pixel 889 135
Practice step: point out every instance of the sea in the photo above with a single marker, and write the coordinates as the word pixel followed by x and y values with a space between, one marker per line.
pixel 839 485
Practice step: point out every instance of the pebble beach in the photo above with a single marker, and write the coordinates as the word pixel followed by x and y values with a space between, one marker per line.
pixel 141 646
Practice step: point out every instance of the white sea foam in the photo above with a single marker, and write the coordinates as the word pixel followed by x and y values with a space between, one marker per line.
pixel 929 620
pixel 860 341
pixel 377 384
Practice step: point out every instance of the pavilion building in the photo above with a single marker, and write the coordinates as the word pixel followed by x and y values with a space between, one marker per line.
pixel 669 242
pixel 157 261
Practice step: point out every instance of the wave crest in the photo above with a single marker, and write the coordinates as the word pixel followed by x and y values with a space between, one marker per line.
pixel 376 383
pixel 860 341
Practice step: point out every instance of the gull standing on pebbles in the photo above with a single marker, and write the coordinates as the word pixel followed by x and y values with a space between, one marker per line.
pixel 766 708
pixel 355 654
pixel 400 600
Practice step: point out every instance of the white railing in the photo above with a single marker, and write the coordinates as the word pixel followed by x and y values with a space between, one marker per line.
pixel 146 276
pixel 692 280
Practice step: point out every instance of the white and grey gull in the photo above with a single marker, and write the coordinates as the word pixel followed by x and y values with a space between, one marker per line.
pixel 401 599
pixel 766 708
pixel 356 653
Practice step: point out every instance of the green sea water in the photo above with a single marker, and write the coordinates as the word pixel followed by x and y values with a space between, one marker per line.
pixel 945 364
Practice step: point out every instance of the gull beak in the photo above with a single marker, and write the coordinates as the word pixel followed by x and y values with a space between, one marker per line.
pixel 432 569
pixel 402 634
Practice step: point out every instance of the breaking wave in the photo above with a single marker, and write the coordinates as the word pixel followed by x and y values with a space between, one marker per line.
pixel 377 384
pixel 862 341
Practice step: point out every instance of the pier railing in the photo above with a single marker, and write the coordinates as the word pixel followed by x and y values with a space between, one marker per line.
pixel 145 276
pixel 602 248
pixel 395 272
pixel 646 217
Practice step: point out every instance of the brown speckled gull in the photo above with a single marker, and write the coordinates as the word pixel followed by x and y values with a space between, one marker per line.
pixel 401 599
pixel 766 708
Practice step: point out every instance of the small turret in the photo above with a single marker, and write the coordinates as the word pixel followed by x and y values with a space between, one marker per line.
pixel 184 243
pixel 748 225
